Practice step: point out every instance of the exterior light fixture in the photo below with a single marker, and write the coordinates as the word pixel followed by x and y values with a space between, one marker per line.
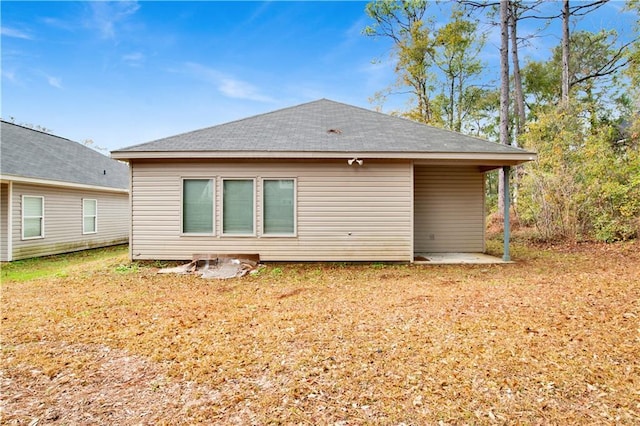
pixel 355 160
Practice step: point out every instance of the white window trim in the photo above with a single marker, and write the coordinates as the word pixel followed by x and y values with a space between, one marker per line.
pixel 253 208
pixel 38 237
pixel 213 218
pixel 84 216
pixel 295 209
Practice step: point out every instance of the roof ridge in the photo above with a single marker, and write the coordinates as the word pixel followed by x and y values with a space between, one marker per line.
pixel 409 120
pixel 80 144
pixel 263 114
pixel 37 130
pixel 239 120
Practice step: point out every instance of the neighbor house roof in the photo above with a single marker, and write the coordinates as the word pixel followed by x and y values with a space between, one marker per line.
pixel 323 129
pixel 33 156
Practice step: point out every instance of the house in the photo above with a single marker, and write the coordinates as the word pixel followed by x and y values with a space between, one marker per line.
pixel 322 181
pixel 58 196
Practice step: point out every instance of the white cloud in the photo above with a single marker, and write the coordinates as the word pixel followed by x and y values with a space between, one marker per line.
pixel 134 59
pixel 105 16
pixel 379 73
pixel 58 23
pixel 9 76
pixel 227 85
pixel 12 32
pixel 241 90
pixel 54 82
pixel 28 76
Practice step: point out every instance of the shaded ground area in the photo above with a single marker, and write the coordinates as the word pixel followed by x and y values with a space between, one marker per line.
pixel 551 339
pixel 456 258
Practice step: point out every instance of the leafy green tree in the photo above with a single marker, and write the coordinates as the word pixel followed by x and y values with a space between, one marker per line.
pixel 613 186
pixel 541 81
pixel 586 182
pixel 413 46
pixel 458 45
pixel 633 68
pixel 549 191
pixel 596 59
pixel 483 118
pixel 508 15
pixel 436 67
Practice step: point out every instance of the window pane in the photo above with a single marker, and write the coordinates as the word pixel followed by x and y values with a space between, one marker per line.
pixel 90 207
pixel 89 224
pixel 32 216
pixel 278 207
pixel 32 206
pixel 32 227
pixel 197 206
pixel 237 215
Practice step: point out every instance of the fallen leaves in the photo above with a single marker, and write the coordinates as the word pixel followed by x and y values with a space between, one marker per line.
pixel 551 339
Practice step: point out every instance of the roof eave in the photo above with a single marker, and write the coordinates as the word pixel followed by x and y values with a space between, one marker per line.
pixel 506 158
pixel 58 183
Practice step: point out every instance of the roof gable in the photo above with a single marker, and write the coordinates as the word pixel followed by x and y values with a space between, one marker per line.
pixel 33 154
pixel 321 126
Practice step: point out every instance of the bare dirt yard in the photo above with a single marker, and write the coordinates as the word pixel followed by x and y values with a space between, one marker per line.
pixel 551 339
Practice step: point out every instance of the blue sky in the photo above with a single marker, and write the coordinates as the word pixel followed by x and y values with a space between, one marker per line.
pixel 122 73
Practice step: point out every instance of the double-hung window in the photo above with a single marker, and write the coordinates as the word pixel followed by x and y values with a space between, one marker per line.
pixel 197 206
pixel 238 206
pixel 278 207
pixel 89 216
pixel 32 217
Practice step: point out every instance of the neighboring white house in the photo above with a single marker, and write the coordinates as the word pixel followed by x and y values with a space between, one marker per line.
pixel 58 196
pixel 322 181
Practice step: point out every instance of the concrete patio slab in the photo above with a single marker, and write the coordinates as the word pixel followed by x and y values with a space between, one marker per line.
pixel 456 259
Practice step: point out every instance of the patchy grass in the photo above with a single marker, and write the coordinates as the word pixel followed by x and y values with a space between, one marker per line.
pixel 59 265
pixel 552 339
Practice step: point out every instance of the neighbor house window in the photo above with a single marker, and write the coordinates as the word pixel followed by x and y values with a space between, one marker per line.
pixel 89 216
pixel 32 217
pixel 238 197
pixel 197 206
pixel 278 207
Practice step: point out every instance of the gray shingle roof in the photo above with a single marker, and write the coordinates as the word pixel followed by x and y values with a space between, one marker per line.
pixel 33 154
pixel 323 126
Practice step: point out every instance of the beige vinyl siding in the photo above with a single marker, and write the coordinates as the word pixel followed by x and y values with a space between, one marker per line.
pixel 449 209
pixel 4 222
pixel 63 220
pixel 343 212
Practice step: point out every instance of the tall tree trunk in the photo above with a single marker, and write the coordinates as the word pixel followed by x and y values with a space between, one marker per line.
pixel 566 13
pixel 520 117
pixel 504 92
pixel 458 126
pixel 450 114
